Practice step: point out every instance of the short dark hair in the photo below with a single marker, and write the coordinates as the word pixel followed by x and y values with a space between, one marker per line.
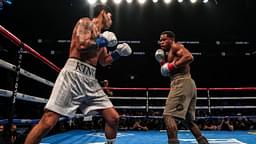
pixel 169 34
pixel 98 8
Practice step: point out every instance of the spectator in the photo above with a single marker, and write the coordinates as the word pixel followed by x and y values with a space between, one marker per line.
pixel 13 133
pixel 1 133
pixel 138 126
pixel 105 86
pixel 210 125
pixel 226 124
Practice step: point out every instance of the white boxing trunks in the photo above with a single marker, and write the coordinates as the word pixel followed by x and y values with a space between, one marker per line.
pixel 77 87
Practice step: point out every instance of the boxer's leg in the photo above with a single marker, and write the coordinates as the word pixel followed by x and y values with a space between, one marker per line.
pixel 172 129
pixel 195 131
pixel 47 122
pixel 111 124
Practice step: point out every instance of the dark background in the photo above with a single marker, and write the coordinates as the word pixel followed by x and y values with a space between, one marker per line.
pixel 41 24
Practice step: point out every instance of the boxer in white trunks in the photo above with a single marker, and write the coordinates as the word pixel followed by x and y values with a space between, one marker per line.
pixel 76 85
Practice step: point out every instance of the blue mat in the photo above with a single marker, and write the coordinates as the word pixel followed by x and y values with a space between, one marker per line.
pixel 150 137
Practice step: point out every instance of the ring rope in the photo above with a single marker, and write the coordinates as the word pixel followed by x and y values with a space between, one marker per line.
pixel 134 98
pixel 217 98
pixel 32 121
pixel 19 43
pixel 164 98
pixel 35 121
pixel 211 107
pixel 7 93
pixel 199 98
pixel 12 67
pixel 21 96
pixel 201 89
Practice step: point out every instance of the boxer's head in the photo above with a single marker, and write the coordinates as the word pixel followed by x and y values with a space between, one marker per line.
pixel 105 12
pixel 166 39
pixel 105 83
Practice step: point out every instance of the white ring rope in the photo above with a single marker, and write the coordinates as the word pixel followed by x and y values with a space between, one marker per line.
pixel 211 107
pixel 217 98
pixel 25 97
pixel 164 98
pixel 21 96
pixel 12 67
pixel 201 98
pixel 133 98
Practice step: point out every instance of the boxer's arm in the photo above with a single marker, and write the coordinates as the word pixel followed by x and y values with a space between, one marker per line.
pixel 105 58
pixel 84 34
pixel 121 50
pixel 180 56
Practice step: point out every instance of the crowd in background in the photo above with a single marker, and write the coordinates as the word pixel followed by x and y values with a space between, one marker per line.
pixel 131 119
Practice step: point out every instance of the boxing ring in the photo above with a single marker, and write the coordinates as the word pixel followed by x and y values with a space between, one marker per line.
pixel 145 104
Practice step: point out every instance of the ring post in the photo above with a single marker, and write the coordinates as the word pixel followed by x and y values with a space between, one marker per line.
pixel 147 101
pixel 209 101
pixel 12 101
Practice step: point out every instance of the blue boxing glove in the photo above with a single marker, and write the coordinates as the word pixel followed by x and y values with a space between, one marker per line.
pixel 101 42
pixel 107 39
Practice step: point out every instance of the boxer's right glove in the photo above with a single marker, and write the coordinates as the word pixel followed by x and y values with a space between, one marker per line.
pixel 121 50
pixel 167 68
pixel 160 56
pixel 107 38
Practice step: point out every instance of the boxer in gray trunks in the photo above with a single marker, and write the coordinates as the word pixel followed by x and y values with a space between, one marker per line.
pixel 181 102
pixel 76 86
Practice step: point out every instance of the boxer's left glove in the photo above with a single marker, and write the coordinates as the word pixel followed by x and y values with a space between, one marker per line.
pixel 111 38
pixel 107 38
pixel 167 68
pixel 160 56
pixel 121 50
pixel 101 42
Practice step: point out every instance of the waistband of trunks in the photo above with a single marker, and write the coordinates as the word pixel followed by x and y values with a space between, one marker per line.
pixel 80 66
pixel 180 75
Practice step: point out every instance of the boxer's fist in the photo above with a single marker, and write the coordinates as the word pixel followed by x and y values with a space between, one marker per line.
pixel 160 56
pixel 167 68
pixel 101 41
pixel 121 50
pixel 124 49
pixel 110 37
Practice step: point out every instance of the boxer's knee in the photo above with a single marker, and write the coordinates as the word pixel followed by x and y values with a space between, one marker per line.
pixel 114 120
pixel 188 123
pixel 111 117
pixel 49 120
pixel 170 122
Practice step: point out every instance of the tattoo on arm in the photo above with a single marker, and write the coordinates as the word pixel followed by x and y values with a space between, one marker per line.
pixel 84 31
